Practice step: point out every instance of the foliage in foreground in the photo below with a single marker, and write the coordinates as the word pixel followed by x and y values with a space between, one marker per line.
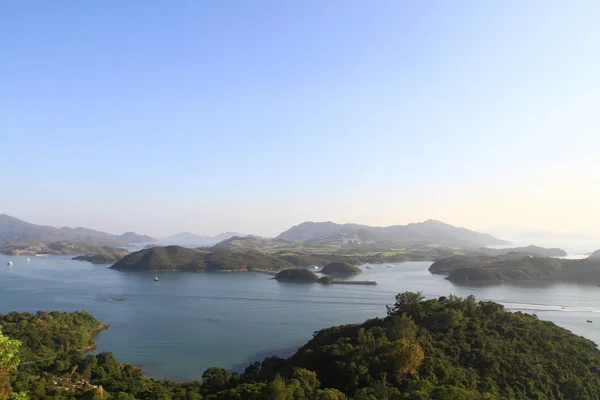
pixel 449 348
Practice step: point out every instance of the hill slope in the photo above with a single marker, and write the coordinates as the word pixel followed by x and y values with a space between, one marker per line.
pixel 429 231
pixel 177 258
pixel 449 348
pixel 13 230
pixel 517 266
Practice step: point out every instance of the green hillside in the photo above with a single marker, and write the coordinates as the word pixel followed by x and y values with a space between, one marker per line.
pixel 341 268
pixel 447 349
pixel 515 267
pixel 177 258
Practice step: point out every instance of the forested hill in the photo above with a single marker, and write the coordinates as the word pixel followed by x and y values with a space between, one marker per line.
pixel 449 348
pixel 177 258
pixel 517 266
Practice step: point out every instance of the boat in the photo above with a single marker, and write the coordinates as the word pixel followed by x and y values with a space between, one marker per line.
pixel 156 279
pixel 9 263
pixel 389 265
pixel 369 267
pixel 28 260
pixel 589 321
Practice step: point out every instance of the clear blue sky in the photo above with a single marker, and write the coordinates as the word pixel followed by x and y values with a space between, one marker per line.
pixel 253 116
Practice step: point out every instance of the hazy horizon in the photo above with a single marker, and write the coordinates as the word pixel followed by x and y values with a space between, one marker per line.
pixel 254 117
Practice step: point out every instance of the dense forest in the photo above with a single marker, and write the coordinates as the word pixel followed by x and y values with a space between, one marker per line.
pixel 449 348
pixel 517 266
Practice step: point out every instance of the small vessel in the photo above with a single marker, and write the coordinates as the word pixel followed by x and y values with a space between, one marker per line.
pixel 369 267
pixel 156 279
pixel 9 263
pixel 389 265
pixel 589 321
pixel 28 260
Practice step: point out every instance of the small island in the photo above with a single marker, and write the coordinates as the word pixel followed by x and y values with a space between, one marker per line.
pixel 340 268
pixel 304 275
pixel 297 275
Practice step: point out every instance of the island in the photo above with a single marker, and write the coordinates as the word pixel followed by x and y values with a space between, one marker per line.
pixel 341 268
pixel 595 255
pixel 517 267
pixel 444 348
pixel 297 275
pixel 178 258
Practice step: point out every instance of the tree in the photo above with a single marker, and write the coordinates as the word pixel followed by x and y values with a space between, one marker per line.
pixel 407 302
pixel 215 378
pixel 8 363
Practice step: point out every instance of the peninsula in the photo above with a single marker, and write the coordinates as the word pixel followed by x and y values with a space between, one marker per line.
pixel 517 267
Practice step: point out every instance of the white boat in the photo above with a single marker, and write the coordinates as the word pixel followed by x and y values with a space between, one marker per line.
pixel 28 260
pixel 9 263
pixel 389 265
pixel 156 279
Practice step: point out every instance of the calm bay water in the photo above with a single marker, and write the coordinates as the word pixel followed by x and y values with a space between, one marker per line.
pixel 186 322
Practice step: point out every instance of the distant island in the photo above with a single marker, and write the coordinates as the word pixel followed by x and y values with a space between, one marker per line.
pixel 340 268
pixel 303 275
pixel 595 255
pixel 517 267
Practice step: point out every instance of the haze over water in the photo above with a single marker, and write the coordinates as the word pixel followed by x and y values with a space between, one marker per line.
pixel 186 322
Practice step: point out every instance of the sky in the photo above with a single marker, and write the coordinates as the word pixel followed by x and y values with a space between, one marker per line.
pixel 253 116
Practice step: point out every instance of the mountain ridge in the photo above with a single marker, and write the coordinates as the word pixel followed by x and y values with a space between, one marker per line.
pixel 426 231
pixel 13 230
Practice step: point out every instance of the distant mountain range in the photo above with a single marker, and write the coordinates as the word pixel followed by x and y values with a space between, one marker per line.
pixel 430 231
pixel 189 239
pixel 526 235
pixel 14 230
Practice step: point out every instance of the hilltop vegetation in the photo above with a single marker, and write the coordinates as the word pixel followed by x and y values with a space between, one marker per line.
pixel 297 275
pixel 449 348
pixel 517 266
pixel 340 268
pixel 177 258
